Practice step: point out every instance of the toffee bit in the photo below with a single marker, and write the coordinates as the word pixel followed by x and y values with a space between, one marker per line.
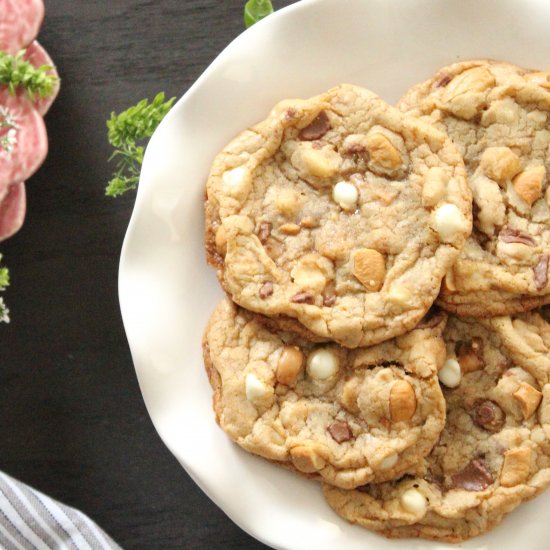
pixel 290 113
pixel 315 129
pixel 540 272
pixel 266 290
pixel 512 235
pixel 443 80
pixel 264 231
pixel 303 298
pixel 340 431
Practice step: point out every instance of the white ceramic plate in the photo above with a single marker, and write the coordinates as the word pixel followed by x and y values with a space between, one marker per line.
pixel 166 290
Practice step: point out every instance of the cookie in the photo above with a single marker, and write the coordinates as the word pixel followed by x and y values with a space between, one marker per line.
pixel 498 116
pixel 337 214
pixel 494 452
pixel 345 416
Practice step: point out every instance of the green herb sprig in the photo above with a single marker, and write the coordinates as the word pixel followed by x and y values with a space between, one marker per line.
pixel 4 282
pixel 254 10
pixel 17 73
pixel 125 130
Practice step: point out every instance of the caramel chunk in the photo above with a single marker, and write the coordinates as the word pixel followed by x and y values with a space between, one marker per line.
pixel 350 392
pixel 528 184
pixel 306 459
pixel 516 467
pixel 290 229
pixel 289 365
pixel 402 401
pixel 529 398
pixel 221 240
pixel 369 266
pixel 470 355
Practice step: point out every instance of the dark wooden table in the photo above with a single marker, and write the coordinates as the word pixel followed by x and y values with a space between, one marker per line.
pixel 72 419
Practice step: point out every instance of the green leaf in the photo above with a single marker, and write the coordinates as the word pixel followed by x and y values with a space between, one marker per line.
pixel 4 276
pixel 120 184
pixel 4 282
pixel 135 124
pixel 17 73
pixel 254 10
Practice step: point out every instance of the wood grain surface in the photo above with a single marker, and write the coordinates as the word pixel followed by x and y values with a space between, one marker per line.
pixel 72 419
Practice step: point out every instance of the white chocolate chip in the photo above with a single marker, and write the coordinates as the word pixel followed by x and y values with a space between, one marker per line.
pixel 389 462
pixel 399 295
pixel 237 181
pixel 255 388
pixel 414 502
pixel 322 364
pixel 345 194
pixel 235 177
pixel 449 221
pixel 450 374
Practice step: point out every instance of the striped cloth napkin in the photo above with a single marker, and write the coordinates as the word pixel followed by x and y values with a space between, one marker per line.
pixel 30 520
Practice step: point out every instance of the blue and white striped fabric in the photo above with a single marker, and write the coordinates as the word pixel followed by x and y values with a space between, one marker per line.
pixel 30 520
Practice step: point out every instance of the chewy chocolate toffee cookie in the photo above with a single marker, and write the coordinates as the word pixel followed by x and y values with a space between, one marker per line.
pixel 498 116
pixel 494 452
pixel 337 216
pixel 347 417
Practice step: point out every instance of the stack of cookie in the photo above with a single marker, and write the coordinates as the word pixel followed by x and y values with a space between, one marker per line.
pixel 334 226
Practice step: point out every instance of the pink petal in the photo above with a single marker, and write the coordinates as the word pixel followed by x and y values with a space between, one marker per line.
pixel 12 210
pixel 20 21
pixel 31 142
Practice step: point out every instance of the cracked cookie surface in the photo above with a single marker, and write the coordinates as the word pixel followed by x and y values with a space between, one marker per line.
pixel 338 214
pixel 498 116
pixel 345 416
pixel 494 452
